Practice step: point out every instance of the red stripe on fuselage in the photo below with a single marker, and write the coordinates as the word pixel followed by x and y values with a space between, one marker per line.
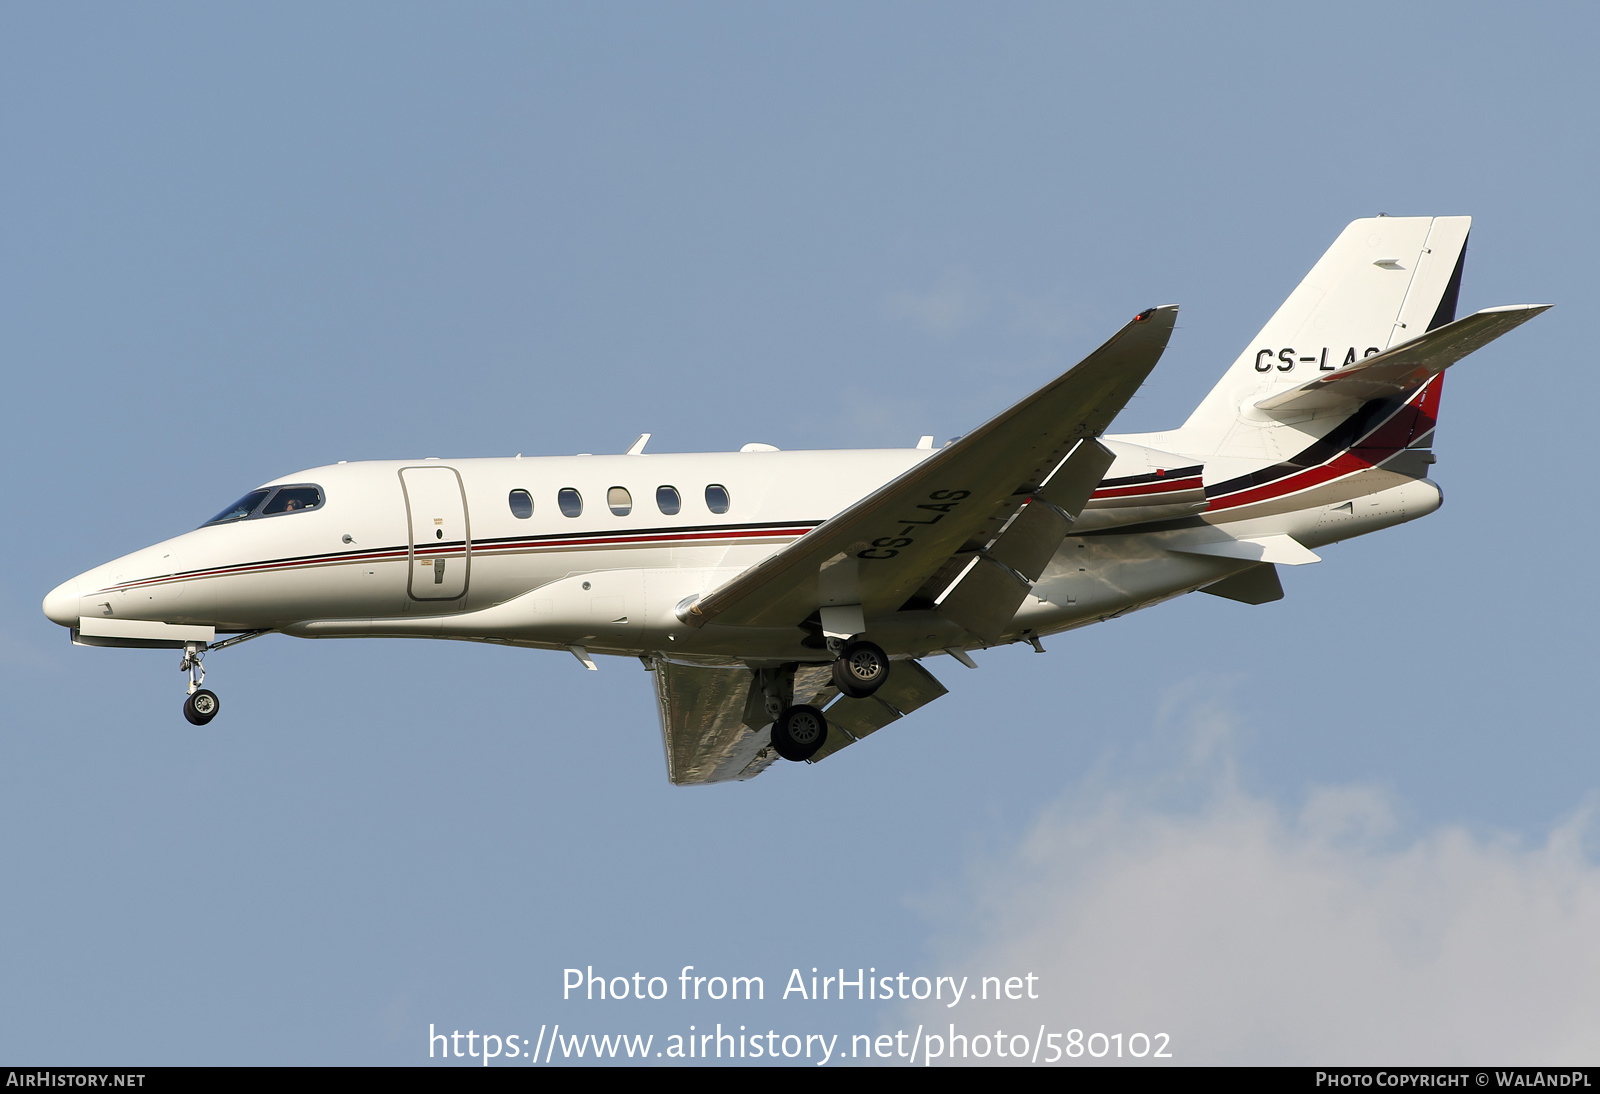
pixel 1149 488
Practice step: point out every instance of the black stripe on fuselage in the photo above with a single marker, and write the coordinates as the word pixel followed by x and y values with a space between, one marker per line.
pixel 709 531
pixel 1154 476
pixel 1367 418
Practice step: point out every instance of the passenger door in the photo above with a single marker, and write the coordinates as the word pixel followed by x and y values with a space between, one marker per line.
pixel 441 539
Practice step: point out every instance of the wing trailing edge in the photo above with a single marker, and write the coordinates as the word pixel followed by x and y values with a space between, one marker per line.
pixel 878 552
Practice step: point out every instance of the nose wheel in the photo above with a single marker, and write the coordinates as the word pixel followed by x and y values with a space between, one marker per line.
pixel 201 707
pixel 202 704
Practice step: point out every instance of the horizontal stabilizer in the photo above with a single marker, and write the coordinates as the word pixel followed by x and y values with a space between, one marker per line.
pixel 1257 585
pixel 1406 367
pixel 1284 550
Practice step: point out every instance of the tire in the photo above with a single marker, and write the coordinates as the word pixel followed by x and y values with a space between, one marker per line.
pixel 861 669
pixel 201 707
pixel 799 732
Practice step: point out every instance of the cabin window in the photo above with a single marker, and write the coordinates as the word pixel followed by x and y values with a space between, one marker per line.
pixel 292 499
pixel 521 504
pixel 241 508
pixel 717 498
pixel 667 500
pixel 620 501
pixel 570 501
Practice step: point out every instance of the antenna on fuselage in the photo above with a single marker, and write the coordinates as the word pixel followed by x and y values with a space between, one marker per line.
pixel 637 447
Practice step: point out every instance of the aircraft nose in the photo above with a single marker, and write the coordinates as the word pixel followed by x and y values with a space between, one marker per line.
pixel 61 606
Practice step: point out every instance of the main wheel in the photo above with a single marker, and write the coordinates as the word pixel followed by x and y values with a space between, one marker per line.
pixel 861 669
pixel 799 732
pixel 201 707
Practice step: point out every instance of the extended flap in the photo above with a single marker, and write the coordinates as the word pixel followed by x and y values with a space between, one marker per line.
pixel 909 687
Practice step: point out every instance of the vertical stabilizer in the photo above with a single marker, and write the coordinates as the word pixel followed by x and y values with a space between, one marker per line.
pixel 1385 280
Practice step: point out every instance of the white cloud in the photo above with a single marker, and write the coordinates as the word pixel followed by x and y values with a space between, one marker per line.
pixel 1252 934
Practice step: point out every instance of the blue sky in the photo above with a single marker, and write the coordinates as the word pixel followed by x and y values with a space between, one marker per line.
pixel 244 240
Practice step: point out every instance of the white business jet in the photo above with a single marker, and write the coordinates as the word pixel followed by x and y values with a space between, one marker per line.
pixel 786 600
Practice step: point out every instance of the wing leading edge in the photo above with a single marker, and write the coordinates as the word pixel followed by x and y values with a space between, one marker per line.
pixel 879 553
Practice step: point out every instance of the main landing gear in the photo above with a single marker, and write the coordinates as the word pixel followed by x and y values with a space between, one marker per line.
pixel 861 669
pixel 202 704
pixel 800 731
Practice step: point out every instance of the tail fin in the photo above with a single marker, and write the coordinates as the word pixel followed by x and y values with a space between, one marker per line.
pixel 1384 281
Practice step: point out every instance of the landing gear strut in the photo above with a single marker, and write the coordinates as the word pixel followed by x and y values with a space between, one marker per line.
pixel 202 704
pixel 861 669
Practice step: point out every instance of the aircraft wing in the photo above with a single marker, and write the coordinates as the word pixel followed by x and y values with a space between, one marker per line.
pixel 908 687
pixel 714 729
pixel 1407 366
pixel 880 552
pixel 702 724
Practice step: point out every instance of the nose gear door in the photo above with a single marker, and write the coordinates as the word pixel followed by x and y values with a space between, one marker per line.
pixel 441 539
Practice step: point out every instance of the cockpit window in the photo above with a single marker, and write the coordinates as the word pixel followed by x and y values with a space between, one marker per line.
pixel 285 499
pixel 241 508
pixel 292 499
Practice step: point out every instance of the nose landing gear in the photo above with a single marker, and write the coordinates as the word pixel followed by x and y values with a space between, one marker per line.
pixel 202 704
pixel 201 707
